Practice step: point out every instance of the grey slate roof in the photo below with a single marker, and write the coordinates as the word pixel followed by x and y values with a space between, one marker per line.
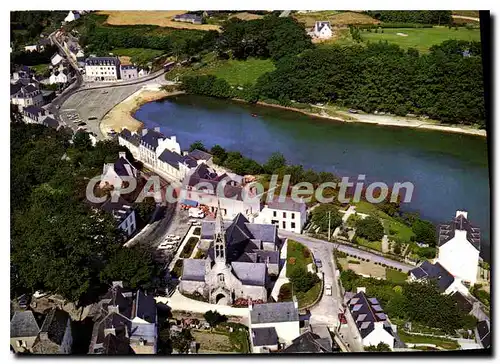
pixel 52 332
pixel 434 272
pixel 447 231
pixel 122 167
pixel 34 110
pixel 462 302
pixel 264 232
pixel 150 140
pixel 15 88
pixel 274 312
pixel 193 270
pixel 170 158
pixel 251 274
pixel 365 311
pixel 483 329
pixel 128 67
pixel 145 307
pixel 200 155
pixel 135 139
pixel 23 324
pixel 102 61
pixel 288 204
pixel 50 122
pixel 120 209
pixel 263 336
pixel 320 24
pixel 308 342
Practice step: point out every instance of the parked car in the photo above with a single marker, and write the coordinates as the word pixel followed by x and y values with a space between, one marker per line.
pixel 23 301
pixel 328 290
pixel 163 245
pixel 352 111
pixel 342 319
pixel 318 263
pixel 196 212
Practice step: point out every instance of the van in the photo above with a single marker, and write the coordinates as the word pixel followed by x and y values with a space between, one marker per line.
pixel 328 290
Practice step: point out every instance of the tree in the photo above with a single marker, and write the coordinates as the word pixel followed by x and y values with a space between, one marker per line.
pixel 380 347
pixel 81 140
pixel 302 281
pixel 219 154
pixel 214 318
pixel 182 341
pixel 145 208
pixel 370 228
pixel 197 145
pixel 275 161
pixel 134 266
pixel 424 231
pixel 322 213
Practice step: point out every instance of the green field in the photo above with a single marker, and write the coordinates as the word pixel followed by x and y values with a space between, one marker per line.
pixel 236 73
pixel 395 276
pixel 301 260
pixel 40 69
pixel 447 344
pixel 421 38
pixel 138 55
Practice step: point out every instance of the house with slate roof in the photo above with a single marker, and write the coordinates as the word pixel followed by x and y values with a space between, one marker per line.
pixel 23 331
pixel 483 333
pixel 128 72
pixel 373 324
pixel 123 213
pixel 55 335
pixel 206 186
pixel 273 325
pixel 131 141
pixel 317 339
pixel 241 256
pixel 115 174
pixel 459 246
pixel 125 323
pixel 322 30
pixel 445 281
pixel 34 114
pixel 288 214
pixel 101 69
pixel 51 123
pixel 25 95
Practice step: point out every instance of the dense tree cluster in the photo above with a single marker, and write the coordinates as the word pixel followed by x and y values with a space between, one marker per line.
pixel 323 213
pixel 370 228
pixel 302 281
pixel 438 17
pixel 416 302
pixel 444 84
pixel 26 26
pixel 207 85
pixel 270 37
pixel 58 242
pixel 33 58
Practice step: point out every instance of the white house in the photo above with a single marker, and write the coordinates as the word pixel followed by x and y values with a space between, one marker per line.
pixel 72 16
pixel 25 96
pixel 59 77
pixel 101 68
pixel 322 30
pixel 271 321
pixel 128 72
pixel 114 174
pixel 34 114
pixel 373 324
pixel 56 59
pixel 131 141
pixel 459 246
pixel 143 72
pixel 31 48
pixel 123 213
pixel 445 281
pixel 287 215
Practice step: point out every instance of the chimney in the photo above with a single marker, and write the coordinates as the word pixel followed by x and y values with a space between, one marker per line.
pixel 157 129
pixel 295 303
pixel 122 155
pixel 142 341
pixel 144 131
pixel 250 305
pixel 361 289
pixel 463 213
pixel 44 335
pixel 173 138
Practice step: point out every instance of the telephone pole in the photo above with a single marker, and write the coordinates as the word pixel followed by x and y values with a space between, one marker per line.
pixel 329 216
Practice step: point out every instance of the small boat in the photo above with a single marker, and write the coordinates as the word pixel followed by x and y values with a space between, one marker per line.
pixel 254 115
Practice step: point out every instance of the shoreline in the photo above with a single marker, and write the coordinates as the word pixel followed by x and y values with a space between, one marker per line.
pixel 121 116
pixel 388 120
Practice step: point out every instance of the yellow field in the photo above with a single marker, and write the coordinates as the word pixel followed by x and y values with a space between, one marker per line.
pixel 161 18
pixel 246 16
pixel 336 19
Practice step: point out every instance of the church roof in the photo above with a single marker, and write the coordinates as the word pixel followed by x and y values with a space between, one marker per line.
pixel 274 312
pixel 193 270
pixel 252 274
pixel 447 231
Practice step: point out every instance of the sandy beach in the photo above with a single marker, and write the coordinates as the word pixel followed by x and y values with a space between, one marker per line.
pixel 120 116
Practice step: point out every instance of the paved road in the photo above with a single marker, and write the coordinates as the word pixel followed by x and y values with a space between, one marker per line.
pixel 465 17
pixel 313 242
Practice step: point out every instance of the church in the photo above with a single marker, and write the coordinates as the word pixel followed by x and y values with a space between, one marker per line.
pixel 241 258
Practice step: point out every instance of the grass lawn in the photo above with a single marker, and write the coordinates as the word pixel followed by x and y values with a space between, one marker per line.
pixel 40 69
pixel 421 38
pixel 377 245
pixel 307 298
pixel 223 341
pixel 447 344
pixel 395 276
pixel 138 55
pixel 233 71
pixel 301 256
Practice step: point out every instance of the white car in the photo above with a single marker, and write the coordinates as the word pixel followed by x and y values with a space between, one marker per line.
pixel 163 245
pixel 328 290
pixel 173 237
pixel 196 212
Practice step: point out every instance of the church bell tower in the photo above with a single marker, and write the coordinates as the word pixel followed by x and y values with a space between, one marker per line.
pixel 219 238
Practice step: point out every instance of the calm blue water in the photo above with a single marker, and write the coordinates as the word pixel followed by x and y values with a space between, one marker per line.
pixel 449 171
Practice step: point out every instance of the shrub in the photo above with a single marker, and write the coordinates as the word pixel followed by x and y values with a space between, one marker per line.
pixel 292 261
pixel 354 262
pixel 306 253
pixel 197 231
pixel 370 228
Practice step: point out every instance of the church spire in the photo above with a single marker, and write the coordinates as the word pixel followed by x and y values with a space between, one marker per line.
pixel 219 237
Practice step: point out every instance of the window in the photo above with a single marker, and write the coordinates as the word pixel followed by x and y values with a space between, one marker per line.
pixel 284 215
pixel 284 224
pixel 220 276
pixel 293 215
pixel 293 225
pixel 274 213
